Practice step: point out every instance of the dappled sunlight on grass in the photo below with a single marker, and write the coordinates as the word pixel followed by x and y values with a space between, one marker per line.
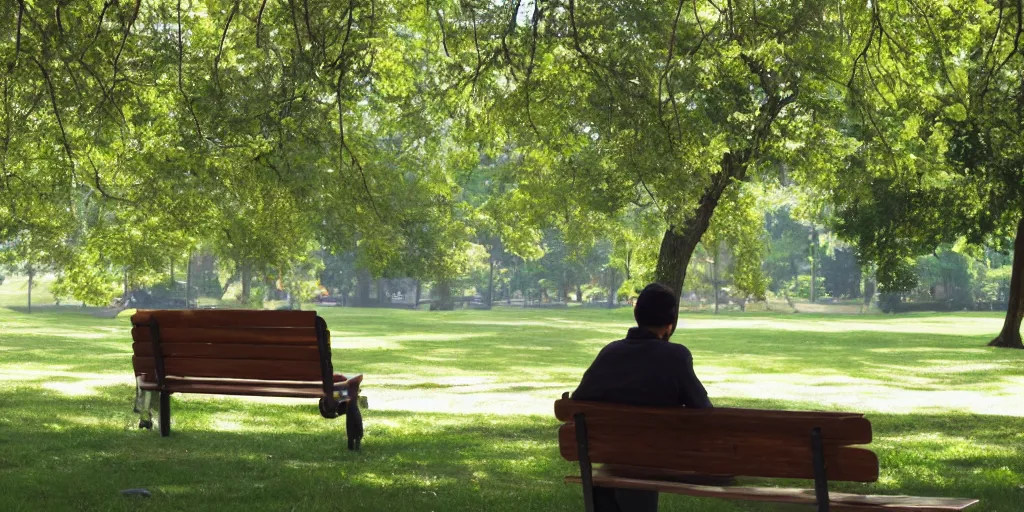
pixel 449 397
pixel 283 456
pixel 513 361
pixel 949 324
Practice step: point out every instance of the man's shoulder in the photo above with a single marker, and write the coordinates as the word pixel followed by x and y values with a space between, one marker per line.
pixel 611 347
pixel 678 349
pixel 663 348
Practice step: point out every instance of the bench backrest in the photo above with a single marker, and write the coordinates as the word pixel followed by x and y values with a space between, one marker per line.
pixel 234 344
pixel 741 442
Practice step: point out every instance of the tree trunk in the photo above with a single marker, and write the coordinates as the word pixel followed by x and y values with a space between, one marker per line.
pixel 869 290
pixel 188 281
pixel 678 244
pixel 490 286
pixel 172 276
pixel 1010 335
pixel 31 275
pixel 246 272
pixel 714 279
pixel 125 283
pixel 629 264
pixel 612 289
pixel 419 291
pixel 579 293
pixel 444 297
pixel 362 288
pixel 380 292
pixel 814 261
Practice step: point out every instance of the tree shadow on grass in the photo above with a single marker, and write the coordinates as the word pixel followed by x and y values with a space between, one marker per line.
pixel 58 453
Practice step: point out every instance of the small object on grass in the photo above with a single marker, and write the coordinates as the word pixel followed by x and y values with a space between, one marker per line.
pixel 137 492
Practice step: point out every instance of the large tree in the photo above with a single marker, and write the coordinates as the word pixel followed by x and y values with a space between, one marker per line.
pixel 944 126
pixel 662 103
pixel 144 129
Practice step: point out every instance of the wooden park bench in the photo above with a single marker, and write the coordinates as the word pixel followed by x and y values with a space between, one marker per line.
pixel 239 352
pixel 655 449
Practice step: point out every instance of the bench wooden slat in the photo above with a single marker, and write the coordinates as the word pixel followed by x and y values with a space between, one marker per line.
pixel 787 426
pixel 227 335
pixel 751 456
pixel 565 409
pixel 839 501
pixel 249 319
pixel 231 351
pixel 152 385
pixel 232 368
pixel 308 391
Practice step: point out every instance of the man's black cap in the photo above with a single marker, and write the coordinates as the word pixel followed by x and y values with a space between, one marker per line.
pixel 656 306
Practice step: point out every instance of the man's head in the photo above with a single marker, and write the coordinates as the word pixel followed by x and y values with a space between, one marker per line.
pixel 657 310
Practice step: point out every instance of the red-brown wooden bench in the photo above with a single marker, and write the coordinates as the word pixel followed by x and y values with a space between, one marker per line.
pixel 242 352
pixel 656 448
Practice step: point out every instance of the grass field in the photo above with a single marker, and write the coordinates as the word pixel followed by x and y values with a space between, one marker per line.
pixel 460 414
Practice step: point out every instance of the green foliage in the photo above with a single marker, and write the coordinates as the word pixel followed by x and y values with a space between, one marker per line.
pixel 738 226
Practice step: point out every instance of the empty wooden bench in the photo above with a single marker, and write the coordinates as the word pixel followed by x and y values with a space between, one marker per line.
pixel 242 352
pixel 646 445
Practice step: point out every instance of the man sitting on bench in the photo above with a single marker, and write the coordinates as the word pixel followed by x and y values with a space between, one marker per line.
pixel 644 369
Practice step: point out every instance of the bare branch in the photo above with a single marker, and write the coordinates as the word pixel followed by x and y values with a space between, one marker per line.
pixel 340 61
pixel 181 85
pixel 220 48
pixel 56 112
pixel 259 21
pixel 124 40
pixel 295 27
pixel 17 41
pixel 344 147
pixel 510 28
pixel 444 34
pixel 1013 51
pixel 665 82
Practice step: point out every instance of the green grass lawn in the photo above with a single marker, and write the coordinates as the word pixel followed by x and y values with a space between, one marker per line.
pixel 461 405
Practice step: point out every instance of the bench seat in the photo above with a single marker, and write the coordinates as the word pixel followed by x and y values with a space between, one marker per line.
pixel 839 501
pixel 248 387
pixel 242 353
pixel 672 449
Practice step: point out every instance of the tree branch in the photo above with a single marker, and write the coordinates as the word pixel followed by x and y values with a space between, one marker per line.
pixel 181 85
pixel 124 40
pixel 344 148
pixel 17 40
pixel 444 34
pixel 56 113
pixel 259 21
pixel 220 48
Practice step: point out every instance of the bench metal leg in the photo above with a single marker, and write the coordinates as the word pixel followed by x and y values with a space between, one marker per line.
pixel 353 419
pixel 583 453
pixel 165 414
pixel 820 478
pixel 354 425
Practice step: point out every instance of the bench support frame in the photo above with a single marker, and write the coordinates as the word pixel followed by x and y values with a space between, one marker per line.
pixel 820 477
pixel 165 413
pixel 165 396
pixel 586 469
pixel 329 406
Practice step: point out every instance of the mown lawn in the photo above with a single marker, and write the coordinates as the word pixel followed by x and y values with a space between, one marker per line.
pixel 460 414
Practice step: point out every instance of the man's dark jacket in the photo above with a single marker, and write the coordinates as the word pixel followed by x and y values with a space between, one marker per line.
pixel 643 370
